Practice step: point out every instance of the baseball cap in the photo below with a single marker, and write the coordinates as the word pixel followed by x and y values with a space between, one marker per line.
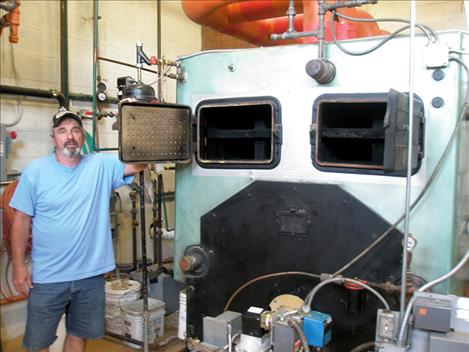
pixel 63 114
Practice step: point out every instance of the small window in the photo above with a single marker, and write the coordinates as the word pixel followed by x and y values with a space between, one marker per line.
pixel 365 133
pixel 239 133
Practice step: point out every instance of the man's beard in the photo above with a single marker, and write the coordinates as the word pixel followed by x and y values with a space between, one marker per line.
pixel 73 153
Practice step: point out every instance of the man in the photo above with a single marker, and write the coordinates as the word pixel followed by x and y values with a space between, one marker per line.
pixel 65 198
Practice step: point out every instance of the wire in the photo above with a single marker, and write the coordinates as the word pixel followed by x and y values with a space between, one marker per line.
pixel 263 277
pixel 160 77
pixel 459 52
pixel 364 52
pixel 423 27
pixel 312 293
pixel 19 100
pixel 364 346
pixel 427 185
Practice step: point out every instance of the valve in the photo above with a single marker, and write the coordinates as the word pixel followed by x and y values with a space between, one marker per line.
pixel 321 70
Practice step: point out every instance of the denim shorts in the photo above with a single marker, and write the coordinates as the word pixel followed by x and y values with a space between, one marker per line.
pixel 82 301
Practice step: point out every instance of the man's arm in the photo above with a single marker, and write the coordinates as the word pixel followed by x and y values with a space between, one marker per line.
pixel 130 169
pixel 19 240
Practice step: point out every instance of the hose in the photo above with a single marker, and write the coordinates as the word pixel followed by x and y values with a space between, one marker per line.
pixel 312 293
pixel 263 277
pixel 364 346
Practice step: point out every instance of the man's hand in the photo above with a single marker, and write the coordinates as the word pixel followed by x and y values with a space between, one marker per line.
pixel 130 169
pixel 22 278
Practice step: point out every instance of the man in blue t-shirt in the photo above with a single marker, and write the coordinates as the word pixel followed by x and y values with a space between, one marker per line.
pixel 64 198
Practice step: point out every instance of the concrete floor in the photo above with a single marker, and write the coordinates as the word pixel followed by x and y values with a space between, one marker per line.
pixel 167 343
pixel 104 344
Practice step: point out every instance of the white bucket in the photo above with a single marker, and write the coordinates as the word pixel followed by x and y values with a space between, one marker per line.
pixel 182 314
pixel 133 319
pixel 114 300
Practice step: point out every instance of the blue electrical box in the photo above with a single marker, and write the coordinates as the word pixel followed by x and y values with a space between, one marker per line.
pixel 317 328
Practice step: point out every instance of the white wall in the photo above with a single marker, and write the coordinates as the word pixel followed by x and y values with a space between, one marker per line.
pixel 35 63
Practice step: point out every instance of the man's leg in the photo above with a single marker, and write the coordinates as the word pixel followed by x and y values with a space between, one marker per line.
pixel 74 344
pixel 46 304
pixel 85 314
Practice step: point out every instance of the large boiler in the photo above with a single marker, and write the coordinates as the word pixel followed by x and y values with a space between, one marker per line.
pixel 289 176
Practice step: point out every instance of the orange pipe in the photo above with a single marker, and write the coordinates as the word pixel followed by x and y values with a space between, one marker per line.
pixel 12 20
pixel 253 21
pixel 13 299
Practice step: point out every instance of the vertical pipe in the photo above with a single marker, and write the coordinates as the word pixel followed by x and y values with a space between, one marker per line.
pixel 321 29
pixel 95 63
pixel 64 51
pixel 291 16
pixel 155 222
pixel 144 262
pixel 409 159
pixel 158 47
pixel 160 221
pixel 133 198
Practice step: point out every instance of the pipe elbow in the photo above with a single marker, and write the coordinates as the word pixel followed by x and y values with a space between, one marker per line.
pixel 59 96
pixel 8 5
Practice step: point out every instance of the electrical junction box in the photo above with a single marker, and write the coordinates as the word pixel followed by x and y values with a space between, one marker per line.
pixel 317 328
pixel 251 321
pixel 387 325
pixel 433 312
pixel 284 337
pixel 436 55
pixel 216 329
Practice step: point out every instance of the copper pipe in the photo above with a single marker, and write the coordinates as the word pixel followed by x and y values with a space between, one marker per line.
pixel 12 20
pixel 13 299
pixel 170 75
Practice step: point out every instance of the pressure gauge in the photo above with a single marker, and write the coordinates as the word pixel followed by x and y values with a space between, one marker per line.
pixel 101 92
pixel 102 96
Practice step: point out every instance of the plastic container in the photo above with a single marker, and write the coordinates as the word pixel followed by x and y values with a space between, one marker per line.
pixel 182 314
pixel 133 319
pixel 114 299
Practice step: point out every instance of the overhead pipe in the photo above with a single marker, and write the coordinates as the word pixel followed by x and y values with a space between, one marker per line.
pixel 254 21
pixel 31 92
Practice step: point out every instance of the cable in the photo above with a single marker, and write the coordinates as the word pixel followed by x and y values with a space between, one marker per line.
pixel 403 329
pixel 263 277
pixel 430 34
pixel 459 52
pixel 312 293
pixel 364 52
pixel 161 77
pixel 427 185
pixel 364 346
pixel 19 100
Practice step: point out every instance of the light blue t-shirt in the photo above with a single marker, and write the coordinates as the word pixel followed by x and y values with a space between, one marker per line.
pixel 69 207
